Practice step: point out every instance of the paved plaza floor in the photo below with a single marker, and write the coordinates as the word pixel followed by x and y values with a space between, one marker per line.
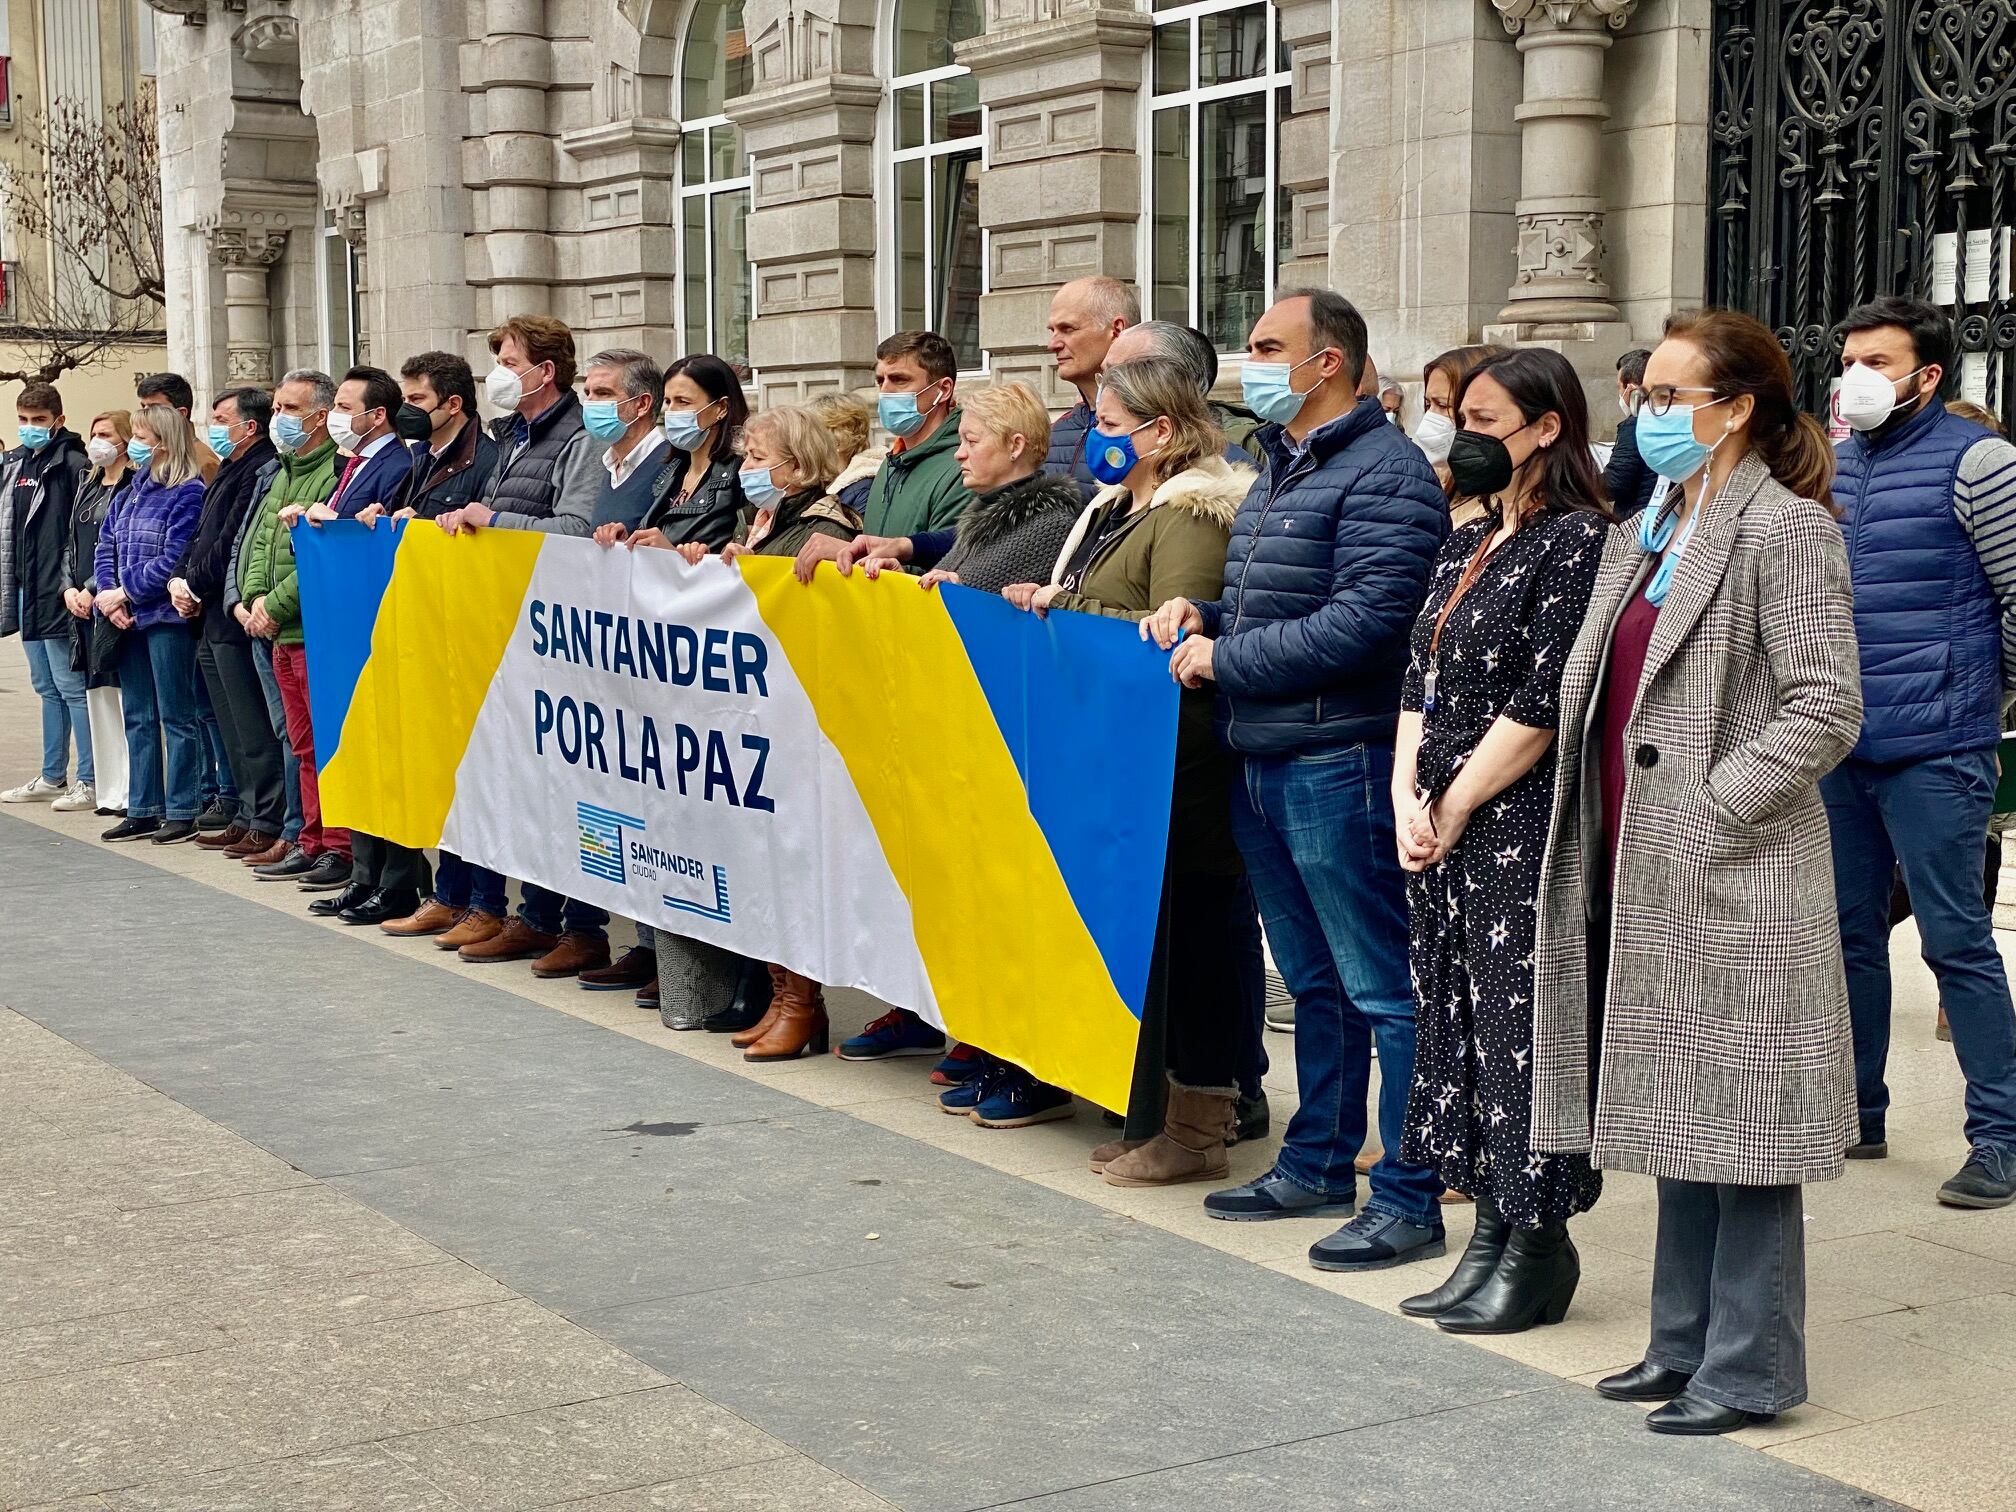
pixel 294 1216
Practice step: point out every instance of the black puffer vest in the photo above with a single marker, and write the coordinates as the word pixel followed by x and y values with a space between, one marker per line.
pixel 524 483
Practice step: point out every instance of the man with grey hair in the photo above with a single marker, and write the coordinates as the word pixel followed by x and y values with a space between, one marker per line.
pixel 1391 398
pixel 1192 348
pixel 621 391
pixel 1085 315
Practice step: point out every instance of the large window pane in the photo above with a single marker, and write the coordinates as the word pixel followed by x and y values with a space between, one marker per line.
pixel 956 196
pixel 1284 202
pixel 926 30
pixel 910 117
pixel 910 314
pixel 731 279
pixel 338 316
pixel 1232 206
pixel 1172 58
pixel 724 151
pixel 1170 194
pixel 955 108
pixel 693 249
pixel 1232 45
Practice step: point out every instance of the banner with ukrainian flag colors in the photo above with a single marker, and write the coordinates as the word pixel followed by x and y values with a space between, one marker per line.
pixel 957 807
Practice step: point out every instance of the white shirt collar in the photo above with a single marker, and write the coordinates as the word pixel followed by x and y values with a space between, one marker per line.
pixel 620 472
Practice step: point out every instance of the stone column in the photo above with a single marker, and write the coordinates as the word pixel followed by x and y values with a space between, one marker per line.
pixel 1061 199
pixel 510 163
pixel 1303 163
pixel 809 127
pixel 1560 211
pixel 246 245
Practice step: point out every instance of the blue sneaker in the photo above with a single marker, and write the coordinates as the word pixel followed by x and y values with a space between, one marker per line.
pixel 1274 1196
pixel 969 1094
pixel 897 1032
pixel 961 1064
pixel 1016 1099
pixel 1378 1241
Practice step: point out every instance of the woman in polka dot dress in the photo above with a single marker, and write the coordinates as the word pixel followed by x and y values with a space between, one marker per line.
pixel 1473 784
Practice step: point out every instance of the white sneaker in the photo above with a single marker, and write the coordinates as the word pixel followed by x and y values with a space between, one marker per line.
pixel 81 798
pixel 37 791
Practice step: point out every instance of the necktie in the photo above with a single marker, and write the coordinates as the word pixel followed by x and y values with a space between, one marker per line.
pixel 344 481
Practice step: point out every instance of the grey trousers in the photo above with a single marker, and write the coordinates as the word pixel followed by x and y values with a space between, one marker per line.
pixel 694 979
pixel 1729 1293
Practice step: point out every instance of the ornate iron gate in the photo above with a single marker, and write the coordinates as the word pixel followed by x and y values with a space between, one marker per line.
pixel 1865 147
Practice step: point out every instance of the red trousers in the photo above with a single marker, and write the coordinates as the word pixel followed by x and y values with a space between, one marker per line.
pixel 290 670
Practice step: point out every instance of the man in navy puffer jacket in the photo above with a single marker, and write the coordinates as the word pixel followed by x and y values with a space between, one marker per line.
pixel 1325 574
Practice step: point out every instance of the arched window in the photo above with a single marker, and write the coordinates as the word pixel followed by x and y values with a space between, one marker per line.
pixel 935 118
pixel 714 67
pixel 1218 219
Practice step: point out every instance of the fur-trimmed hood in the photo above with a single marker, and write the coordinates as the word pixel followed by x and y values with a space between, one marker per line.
pixel 863 464
pixel 994 515
pixel 1211 489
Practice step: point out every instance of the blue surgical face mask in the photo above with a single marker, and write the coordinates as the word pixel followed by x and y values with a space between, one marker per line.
pixel 602 419
pixel 899 413
pixel 1667 443
pixel 1111 458
pixel 138 454
pixel 34 437
pixel 759 488
pixel 289 433
pixel 220 440
pixel 1269 390
pixel 684 430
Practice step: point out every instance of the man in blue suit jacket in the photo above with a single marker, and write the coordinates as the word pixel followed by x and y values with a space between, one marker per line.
pixel 386 880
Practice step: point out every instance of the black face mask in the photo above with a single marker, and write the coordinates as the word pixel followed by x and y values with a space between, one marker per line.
pixel 413 423
pixel 1479 465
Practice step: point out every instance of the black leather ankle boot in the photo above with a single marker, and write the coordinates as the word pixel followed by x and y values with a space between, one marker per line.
pixel 1534 1283
pixel 1480 1259
pixel 750 1003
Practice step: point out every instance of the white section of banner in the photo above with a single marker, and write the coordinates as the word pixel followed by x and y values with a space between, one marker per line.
pixel 665 764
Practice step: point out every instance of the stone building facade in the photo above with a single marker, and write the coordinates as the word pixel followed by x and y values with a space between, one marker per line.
pixel 97 55
pixel 783 181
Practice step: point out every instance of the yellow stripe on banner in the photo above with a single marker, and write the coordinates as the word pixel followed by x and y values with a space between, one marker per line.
pixel 1011 963
pixel 441 631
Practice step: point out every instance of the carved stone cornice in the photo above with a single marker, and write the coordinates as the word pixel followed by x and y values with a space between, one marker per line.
pixel 1563 14
pixel 246 246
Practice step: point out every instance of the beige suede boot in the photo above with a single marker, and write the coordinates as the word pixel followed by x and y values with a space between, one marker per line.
pixel 1191 1146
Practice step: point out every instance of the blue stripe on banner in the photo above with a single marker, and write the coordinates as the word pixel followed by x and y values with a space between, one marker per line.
pixel 718 912
pixel 1087 684
pixel 343 569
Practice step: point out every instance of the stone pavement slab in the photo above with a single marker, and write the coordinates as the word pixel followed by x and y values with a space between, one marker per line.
pixel 1000 1340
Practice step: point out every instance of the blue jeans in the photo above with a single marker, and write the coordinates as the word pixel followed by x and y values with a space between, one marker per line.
pixel 65 716
pixel 1931 818
pixel 1317 835
pixel 457 884
pixel 217 779
pixel 157 691
pixel 550 913
pixel 262 659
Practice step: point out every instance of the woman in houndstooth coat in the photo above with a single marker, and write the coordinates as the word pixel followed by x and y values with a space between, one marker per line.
pixel 1689 990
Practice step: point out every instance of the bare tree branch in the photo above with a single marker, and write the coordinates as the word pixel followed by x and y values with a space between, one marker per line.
pixel 91 189
pixel 62 322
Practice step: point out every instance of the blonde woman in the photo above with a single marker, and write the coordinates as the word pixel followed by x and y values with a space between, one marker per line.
pixel 851 419
pixel 788 463
pixel 1156 531
pixel 140 547
pixel 1019 517
pixel 97 643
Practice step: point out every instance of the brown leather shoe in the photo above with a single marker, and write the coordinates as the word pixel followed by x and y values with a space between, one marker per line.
pixel 742 1039
pixel 636 967
pixel 800 1022
pixel 223 839
pixel 571 954
pixel 516 941
pixel 254 841
pixel 272 855
pixel 475 927
pixel 430 918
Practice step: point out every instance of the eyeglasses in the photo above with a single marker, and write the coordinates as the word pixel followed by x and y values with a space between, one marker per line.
pixel 1661 397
